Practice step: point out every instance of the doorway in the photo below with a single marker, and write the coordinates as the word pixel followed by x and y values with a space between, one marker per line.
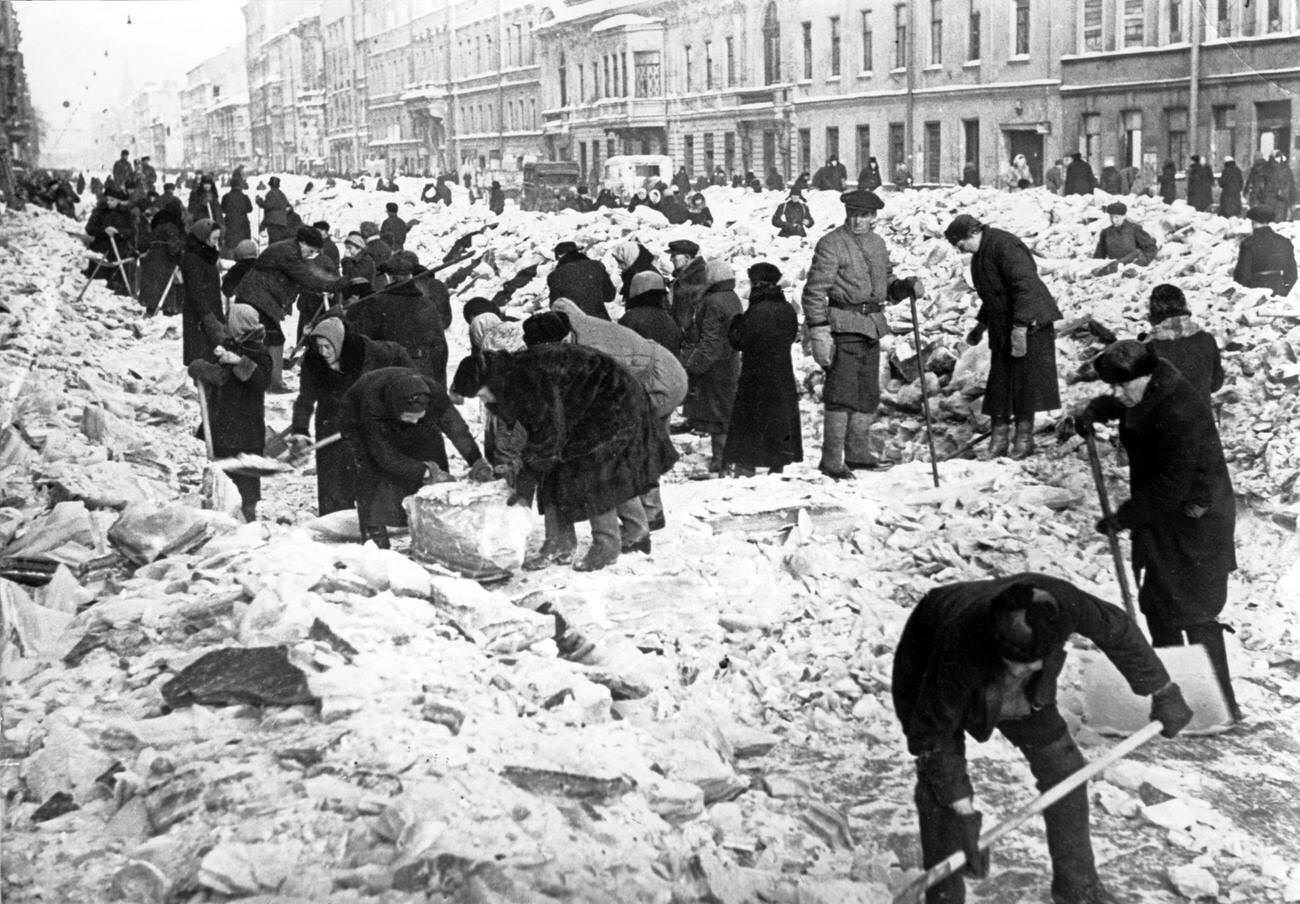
pixel 971 134
pixel 1030 143
pixel 897 147
pixel 1273 124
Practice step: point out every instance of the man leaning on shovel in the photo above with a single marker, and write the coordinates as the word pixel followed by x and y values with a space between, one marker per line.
pixel 983 655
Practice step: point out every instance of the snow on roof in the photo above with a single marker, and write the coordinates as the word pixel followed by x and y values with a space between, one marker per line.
pixel 624 20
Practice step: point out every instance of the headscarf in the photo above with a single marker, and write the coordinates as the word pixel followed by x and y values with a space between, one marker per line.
pixel 406 393
pixel 717 271
pixel 202 229
pixel 245 328
pixel 490 333
pixel 546 326
pixel 332 330
pixel 625 253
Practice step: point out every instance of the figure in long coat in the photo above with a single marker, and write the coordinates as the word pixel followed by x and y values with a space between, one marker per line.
pixel 235 208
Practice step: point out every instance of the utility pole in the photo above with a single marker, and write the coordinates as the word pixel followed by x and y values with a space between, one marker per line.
pixel 1194 88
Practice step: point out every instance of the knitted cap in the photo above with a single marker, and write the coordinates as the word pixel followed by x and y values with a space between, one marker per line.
pixel 646 281
pixel 332 330
pixel 246 250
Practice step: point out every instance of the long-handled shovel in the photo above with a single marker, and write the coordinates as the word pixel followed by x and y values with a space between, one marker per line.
pixel 262 466
pixel 217 488
pixel 925 396
pixel 121 268
pixel 914 893
pixel 1104 498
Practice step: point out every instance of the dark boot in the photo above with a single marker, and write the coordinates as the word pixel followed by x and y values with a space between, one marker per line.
pixel 1074 872
pixel 857 446
pixel 377 533
pixel 718 449
pixel 1022 446
pixel 835 431
pixel 940 836
pixel 1210 636
pixel 605 543
pixel 249 512
pixel 277 370
pixel 1000 441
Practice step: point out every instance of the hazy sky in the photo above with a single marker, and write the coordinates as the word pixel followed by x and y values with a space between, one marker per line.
pixel 65 43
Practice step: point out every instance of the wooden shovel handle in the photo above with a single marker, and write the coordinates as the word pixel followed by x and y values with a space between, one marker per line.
pixel 1099 479
pixel 914 892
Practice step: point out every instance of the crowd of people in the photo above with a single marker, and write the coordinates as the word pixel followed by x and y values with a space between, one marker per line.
pixel 580 411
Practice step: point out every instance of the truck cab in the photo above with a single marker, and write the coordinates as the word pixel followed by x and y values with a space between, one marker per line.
pixel 545 182
pixel 624 174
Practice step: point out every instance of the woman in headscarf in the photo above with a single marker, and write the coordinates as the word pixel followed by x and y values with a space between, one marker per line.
pixel 594 442
pixel 235 376
pixel 336 357
pixel 765 429
pixel 160 263
pixel 713 365
pixel 203 313
pixel 632 258
pixel 489 332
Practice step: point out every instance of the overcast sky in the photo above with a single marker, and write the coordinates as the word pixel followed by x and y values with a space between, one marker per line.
pixel 64 43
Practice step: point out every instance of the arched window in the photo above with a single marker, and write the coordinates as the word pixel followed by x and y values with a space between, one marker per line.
pixel 771 45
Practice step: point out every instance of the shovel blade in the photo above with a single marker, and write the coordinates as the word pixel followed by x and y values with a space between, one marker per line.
pixel 1110 708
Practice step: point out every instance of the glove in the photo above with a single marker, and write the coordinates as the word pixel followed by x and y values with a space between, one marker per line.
pixel 481 471
pixel 976 335
pixel 1108 525
pixel 900 289
pixel 1099 410
pixel 823 346
pixel 977 861
pixel 297 444
pixel 1019 341
pixel 1170 709
pixel 435 474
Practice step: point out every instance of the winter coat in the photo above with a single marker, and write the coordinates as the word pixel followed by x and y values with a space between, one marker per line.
pixel 713 365
pixel 702 217
pixel 205 206
pixel 970 175
pixel 1054 180
pixel 792 218
pixel 1200 186
pixel 1176 462
pixel 396 229
pixel 159 263
pixel 119 218
pixel 946 665
pixel 645 261
pixel 653 365
pixel 1127 242
pixel 828 179
pixel 1192 351
pixel 230 282
pixel 403 314
pixel 1111 181
pixel 359 266
pixel 1266 260
pixel 1230 189
pixel 1011 294
pixel 647 316
pixel 765 429
pixel 1168 183
pixel 389 453
pixel 848 282
pixel 496 200
pixel 275 207
pixel 583 280
pixel 321 388
pixel 278 276
pixel 203 316
pixel 594 440
pixel 235 208
pixel 1284 192
pixel 1079 179
pixel 377 251
pixel 123 174
pixel 869 177
pixel 687 288
pixel 236 395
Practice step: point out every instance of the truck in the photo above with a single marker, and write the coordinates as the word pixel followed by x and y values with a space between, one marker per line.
pixel 545 183
pixel 624 174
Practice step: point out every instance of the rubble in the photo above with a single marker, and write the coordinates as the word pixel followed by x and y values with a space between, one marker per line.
pixel 725 730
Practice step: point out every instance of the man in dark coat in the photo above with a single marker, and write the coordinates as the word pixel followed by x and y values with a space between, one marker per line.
pixel 1182 511
pixel 849 280
pixel 1018 314
pixel 394 420
pixel 336 358
pixel 283 271
pixel 765 429
pixel 982 655
pixel 1200 184
pixel 869 178
pixel 594 441
pixel 203 312
pixel 1266 260
pixel 1123 240
pixel 160 263
pixel 1079 179
pixel 311 304
pixel 1177 338
pixel 394 227
pixel 646 311
pixel 828 177
pixel 793 217
pixel 377 250
pixel 1111 180
pixel 402 313
pixel 275 211
pixel 1231 186
pixel 1258 190
pixel 713 365
pixel 235 208
pixel 1283 181
pixel 204 203
pixel 111 223
pixel 123 173
pixel 688 286
pixel 580 279
pixel 1168 182
pixel 168 199
pixel 148 176
pixel 357 264
pixel 235 376
pixel 496 198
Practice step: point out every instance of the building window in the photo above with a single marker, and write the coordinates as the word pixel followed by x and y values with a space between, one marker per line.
pixel 864 148
pixel 1176 146
pixel 688 154
pixel 1175 21
pixel 835 45
pixel 805 151
pixel 931 152
pixel 1223 142
pixel 1135 23
pixel 708 64
pixel 689 73
pixel 1092 26
pixel 708 154
pixel 1274 15
pixel 771 48
pixel 936 33
pixel 595 80
pixel 900 37
pixel 646 67
pixel 866 41
pixel 729 151
pixel 1132 121
pixel 973 34
pixel 1022 28
pixel 1090 136
pixel 1223 16
pixel 897 146
pixel 604 92
pixel 807 50
pixel 731 61
pixel 832 143
pixel 564 83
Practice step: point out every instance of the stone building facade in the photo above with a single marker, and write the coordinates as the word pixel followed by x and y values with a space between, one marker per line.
pixel 214 113
pixel 16 115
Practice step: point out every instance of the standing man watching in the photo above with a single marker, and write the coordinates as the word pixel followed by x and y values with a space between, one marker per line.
pixel 843 304
pixel 1266 260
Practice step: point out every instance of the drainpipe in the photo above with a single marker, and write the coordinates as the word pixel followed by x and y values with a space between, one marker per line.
pixel 1194 88
pixel 909 131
